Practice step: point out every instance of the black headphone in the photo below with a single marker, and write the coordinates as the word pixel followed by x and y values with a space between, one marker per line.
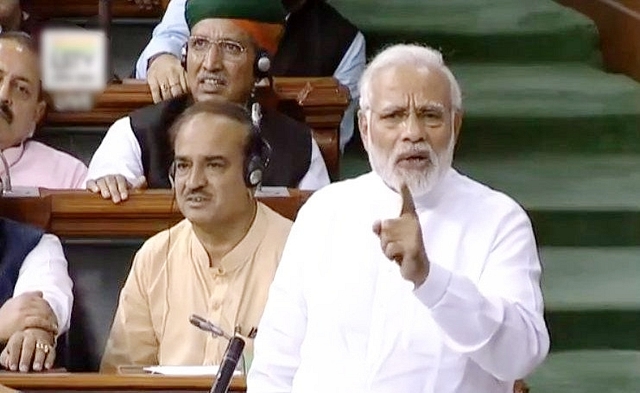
pixel 257 156
pixel 261 66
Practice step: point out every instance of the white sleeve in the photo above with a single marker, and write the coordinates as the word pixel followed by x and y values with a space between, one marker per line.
pixel 45 269
pixel 283 324
pixel 169 36
pixel 499 321
pixel 317 176
pixel 348 73
pixel 118 154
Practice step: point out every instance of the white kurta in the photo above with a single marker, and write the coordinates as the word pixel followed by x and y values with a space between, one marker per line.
pixel 119 153
pixel 340 318
pixel 45 269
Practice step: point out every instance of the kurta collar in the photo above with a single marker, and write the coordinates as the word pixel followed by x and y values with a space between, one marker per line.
pixel 241 253
pixel 13 155
pixel 423 202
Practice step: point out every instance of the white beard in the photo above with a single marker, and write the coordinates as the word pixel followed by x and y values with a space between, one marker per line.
pixel 419 182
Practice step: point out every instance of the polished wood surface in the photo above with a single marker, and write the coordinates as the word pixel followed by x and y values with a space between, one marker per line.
pixel 46 9
pixel 319 102
pixel 83 214
pixel 96 381
pixel 618 23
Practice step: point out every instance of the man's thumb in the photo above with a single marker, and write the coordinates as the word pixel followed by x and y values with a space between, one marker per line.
pixel 139 183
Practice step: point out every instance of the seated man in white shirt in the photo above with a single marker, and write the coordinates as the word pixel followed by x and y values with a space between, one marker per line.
pixel 35 297
pixel 317 41
pixel 224 59
pixel 385 291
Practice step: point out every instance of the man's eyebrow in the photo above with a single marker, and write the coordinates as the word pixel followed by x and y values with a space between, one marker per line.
pixel 432 105
pixel 215 157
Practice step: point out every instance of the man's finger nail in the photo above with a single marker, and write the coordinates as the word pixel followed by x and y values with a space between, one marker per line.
pixel 24 368
pixel 37 366
pixel 13 367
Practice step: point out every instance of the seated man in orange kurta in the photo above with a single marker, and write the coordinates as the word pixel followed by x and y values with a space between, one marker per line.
pixel 218 263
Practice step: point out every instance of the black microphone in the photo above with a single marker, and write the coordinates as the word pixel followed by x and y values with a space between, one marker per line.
pixel 231 357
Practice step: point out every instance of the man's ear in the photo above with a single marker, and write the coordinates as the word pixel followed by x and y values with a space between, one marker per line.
pixel 41 109
pixel 457 122
pixel 363 126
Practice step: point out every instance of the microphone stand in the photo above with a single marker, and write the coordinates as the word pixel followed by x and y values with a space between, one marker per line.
pixel 5 181
pixel 232 355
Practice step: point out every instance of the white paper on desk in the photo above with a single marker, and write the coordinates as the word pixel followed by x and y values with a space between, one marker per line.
pixel 186 371
pixel 272 192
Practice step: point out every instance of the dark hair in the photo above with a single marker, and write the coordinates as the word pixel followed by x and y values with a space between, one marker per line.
pixel 226 109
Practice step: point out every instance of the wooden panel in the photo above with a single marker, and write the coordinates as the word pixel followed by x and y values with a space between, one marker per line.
pixel 96 381
pixel 618 23
pixel 82 214
pixel 319 102
pixel 45 9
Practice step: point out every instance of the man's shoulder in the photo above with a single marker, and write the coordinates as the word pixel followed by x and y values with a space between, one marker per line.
pixel 162 243
pixel 480 197
pixel 275 221
pixel 160 109
pixel 275 118
pixel 338 195
pixel 50 154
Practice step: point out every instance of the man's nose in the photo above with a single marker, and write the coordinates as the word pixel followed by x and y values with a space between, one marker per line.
pixel 413 130
pixel 196 178
pixel 213 58
pixel 5 92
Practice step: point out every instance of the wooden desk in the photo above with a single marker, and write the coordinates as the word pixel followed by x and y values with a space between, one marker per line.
pixel 319 102
pixel 113 382
pixel 83 214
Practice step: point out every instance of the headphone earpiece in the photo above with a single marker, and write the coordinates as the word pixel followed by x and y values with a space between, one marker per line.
pixel 262 65
pixel 183 56
pixel 258 154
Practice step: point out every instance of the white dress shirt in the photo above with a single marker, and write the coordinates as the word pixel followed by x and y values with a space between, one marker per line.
pixel 171 34
pixel 340 317
pixel 45 269
pixel 120 153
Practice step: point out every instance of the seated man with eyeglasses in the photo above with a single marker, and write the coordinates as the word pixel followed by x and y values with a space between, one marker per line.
pixel 228 39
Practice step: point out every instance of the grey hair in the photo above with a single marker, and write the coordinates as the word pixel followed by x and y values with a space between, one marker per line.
pixel 419 56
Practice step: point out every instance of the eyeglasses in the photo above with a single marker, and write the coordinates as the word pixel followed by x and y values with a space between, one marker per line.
pixel 230 49
pixel 430 116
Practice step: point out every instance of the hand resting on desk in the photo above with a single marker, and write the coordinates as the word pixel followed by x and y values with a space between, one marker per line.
pixel 29 349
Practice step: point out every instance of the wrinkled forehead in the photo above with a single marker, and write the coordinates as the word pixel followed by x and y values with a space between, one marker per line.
pixel 216 28
pixel 406 86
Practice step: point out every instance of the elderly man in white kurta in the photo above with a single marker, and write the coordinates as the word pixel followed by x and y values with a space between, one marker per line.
pixel 411 278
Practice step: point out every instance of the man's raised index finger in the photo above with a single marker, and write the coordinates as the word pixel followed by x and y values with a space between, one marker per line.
pixel 407 200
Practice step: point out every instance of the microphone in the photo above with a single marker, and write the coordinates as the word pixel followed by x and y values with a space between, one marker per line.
pixel 5 180
pixel 207 326
pixel 231 357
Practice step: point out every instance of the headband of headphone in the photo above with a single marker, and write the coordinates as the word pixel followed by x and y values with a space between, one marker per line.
pixel 257 153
